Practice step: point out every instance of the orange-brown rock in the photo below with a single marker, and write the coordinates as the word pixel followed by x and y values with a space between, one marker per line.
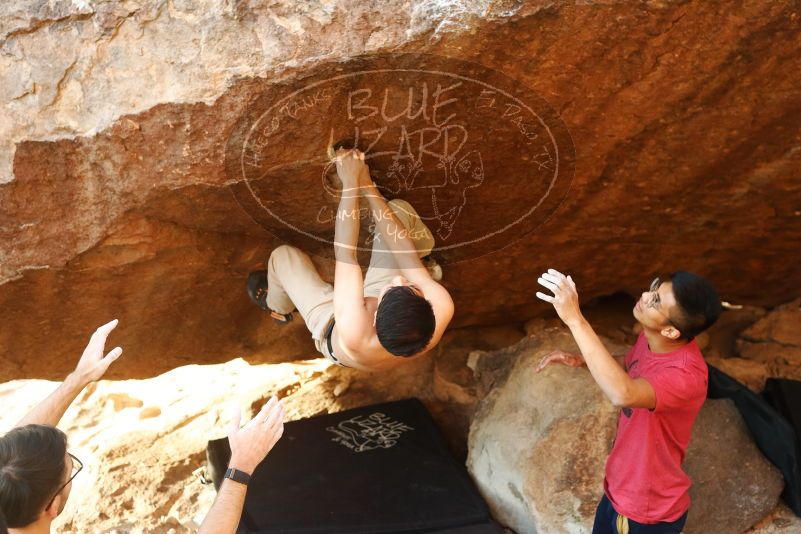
pixel 677 125
pixel 775 341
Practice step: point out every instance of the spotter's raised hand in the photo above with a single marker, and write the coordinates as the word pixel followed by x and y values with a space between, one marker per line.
pixel 94 362
pixel 565 297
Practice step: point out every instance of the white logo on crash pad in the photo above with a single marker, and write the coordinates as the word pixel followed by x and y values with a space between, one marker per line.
pixel 365 433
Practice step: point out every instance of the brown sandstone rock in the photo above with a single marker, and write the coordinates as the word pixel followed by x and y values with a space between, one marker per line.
pixel 781 360
pixel 526 450
pixel 751 373
pixel 724 333
pixel 734 485
pixel 781 521
pixel 454 383
pixel 782 325
pixel 775 341
pixel 116 117
pixel 538 445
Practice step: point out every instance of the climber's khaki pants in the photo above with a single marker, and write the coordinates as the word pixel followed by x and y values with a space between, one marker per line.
pixel 295 283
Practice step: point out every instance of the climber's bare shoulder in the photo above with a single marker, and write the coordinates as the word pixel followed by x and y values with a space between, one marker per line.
pixel 355 341
pixel 438 296
pixel 441 303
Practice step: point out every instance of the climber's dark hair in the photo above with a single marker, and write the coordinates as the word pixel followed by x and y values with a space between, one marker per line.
pixel 404 321
pixel 697 304
pixel 32 465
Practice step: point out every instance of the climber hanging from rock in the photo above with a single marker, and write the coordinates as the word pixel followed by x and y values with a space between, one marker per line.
pixel 397 311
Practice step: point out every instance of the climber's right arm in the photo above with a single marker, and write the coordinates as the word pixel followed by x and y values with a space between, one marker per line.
pixel 349 311
pixel 346 229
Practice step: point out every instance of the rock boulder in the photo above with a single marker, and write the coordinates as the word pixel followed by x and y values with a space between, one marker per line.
pixel 775 341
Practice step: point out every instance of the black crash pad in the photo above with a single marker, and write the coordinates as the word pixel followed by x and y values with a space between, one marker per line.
pixel 377 469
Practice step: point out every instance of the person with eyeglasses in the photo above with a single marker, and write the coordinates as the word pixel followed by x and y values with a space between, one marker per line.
pixel 36 470
pixel 659 386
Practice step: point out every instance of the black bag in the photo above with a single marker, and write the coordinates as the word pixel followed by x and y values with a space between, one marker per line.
pixel 772 433
pixel 376 469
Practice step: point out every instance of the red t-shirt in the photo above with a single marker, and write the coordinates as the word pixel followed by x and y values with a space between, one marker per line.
pixel 644 479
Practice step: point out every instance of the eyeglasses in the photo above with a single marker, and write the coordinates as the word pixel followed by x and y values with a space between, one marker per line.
pixel 654 291
pixel 655 300
pixel 77 465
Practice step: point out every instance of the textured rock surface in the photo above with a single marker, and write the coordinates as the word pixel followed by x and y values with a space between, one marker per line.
pixel 725 332
pixel 115 199
pixel 775 341
pixel 781 521
pixel 752 373
pixel 728 473
pixel 782 325
pixel 538 444
pixel 526 449
pixel 722 347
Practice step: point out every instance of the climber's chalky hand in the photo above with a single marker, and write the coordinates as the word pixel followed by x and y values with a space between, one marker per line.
pixel 350 167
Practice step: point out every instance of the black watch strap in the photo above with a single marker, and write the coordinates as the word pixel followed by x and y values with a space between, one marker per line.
pixel 237 476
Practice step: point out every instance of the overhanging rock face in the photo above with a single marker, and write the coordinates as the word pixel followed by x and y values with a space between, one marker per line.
pixel 153 155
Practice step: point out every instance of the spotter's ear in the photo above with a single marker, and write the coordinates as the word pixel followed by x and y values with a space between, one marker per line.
pixel 670 332
pixel 52 510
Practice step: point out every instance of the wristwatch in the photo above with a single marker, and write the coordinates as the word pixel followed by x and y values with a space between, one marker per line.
pixel 237 476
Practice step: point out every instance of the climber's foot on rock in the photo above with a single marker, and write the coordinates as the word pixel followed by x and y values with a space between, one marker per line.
pixel 257 291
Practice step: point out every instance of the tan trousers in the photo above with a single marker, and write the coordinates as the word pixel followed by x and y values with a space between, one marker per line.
pixel 295 283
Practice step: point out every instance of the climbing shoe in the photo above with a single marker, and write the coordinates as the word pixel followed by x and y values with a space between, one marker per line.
pixel 257 291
